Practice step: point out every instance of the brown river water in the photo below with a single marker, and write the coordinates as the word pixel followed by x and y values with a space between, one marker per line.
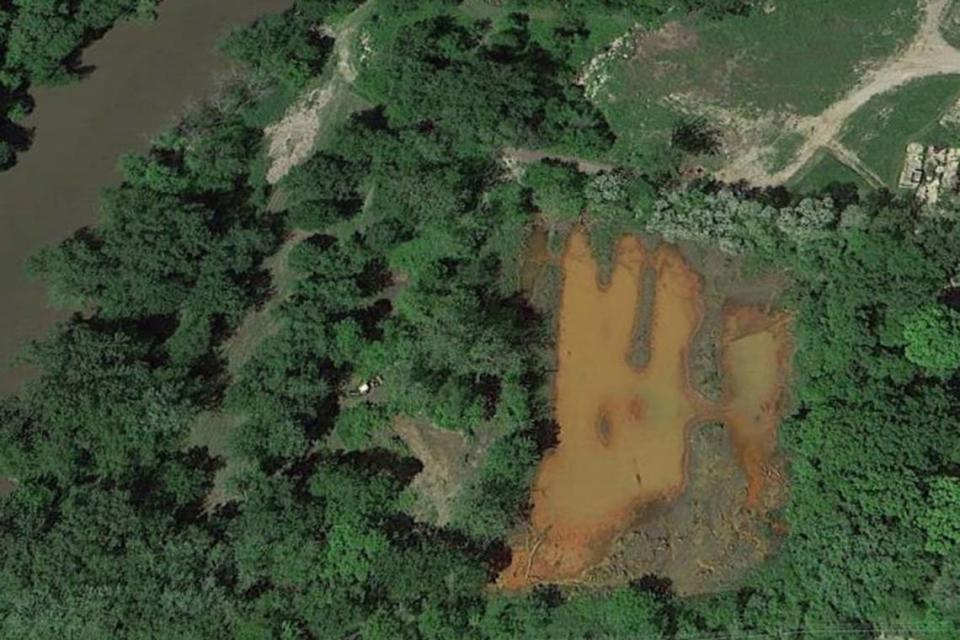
pixel 623 429
pixel 145 73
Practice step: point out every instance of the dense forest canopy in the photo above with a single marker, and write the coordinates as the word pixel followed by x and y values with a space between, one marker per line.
pixel 409 225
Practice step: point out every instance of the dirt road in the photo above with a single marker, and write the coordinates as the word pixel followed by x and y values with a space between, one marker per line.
pixel 852 160
pixel 527 156
pixel 927 55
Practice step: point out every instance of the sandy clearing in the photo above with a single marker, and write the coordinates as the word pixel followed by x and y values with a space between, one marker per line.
pixel 290 141
pixel 445 456
pixel 927 55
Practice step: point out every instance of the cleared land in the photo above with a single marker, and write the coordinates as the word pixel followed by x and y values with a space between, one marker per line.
pixel 702 541
pixel 755 77
pixel 447 459
pixel 624 429
pixel 927 55
pixel 880 131
pixel 294 138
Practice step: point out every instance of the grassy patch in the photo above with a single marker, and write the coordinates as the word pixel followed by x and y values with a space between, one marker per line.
pixel 803 55
pixel 785 148
pixel 643 126
pixel 950 25
pixel 212 429
pixel 822 172
pixel 345 102
pixel 881 130
pixel 798 58
pixel 481 10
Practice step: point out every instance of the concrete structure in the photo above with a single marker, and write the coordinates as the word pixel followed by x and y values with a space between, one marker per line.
pixel 930 172
pixel 950 169
pixel 912 172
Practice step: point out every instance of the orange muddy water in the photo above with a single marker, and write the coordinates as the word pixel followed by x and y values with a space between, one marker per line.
pixel 623 430
pixel 756 348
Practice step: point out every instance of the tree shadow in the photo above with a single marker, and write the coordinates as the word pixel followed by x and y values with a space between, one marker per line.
pixel 546 435
pixel 660 587
pixel 151 487
pixel 494 555
pixel 17 139
pixel 402 468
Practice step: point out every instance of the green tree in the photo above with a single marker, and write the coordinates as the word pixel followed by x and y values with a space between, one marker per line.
pixel 482 88
pixel 286 48
pixel 941 520
pixel 94 561
pixel 322 190
pixel 97 407
pixel 932 336
pixel 558 189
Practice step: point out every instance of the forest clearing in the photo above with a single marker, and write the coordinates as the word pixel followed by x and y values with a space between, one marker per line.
pixel 928 54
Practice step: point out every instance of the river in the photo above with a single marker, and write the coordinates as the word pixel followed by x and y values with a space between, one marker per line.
pixel 145 73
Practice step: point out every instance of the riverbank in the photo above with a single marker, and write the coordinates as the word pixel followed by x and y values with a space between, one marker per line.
pixel 144 75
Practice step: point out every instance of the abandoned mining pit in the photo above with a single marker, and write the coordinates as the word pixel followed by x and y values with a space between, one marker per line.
pixel 651 474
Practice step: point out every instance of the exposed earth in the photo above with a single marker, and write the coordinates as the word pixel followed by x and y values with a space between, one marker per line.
pixel 704 540
pixel 291 140
pixel 448 459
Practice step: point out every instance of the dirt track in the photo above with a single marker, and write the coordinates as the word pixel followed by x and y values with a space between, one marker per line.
pixel 927 55
pixel 528 156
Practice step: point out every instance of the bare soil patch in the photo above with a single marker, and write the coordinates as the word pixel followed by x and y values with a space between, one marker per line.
pixel 291 140
pixel 750 137
pixel 650 47
pixel 444 456
pixel 7 485
pixel 449 459
pixel 621 432
pixel 704 540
